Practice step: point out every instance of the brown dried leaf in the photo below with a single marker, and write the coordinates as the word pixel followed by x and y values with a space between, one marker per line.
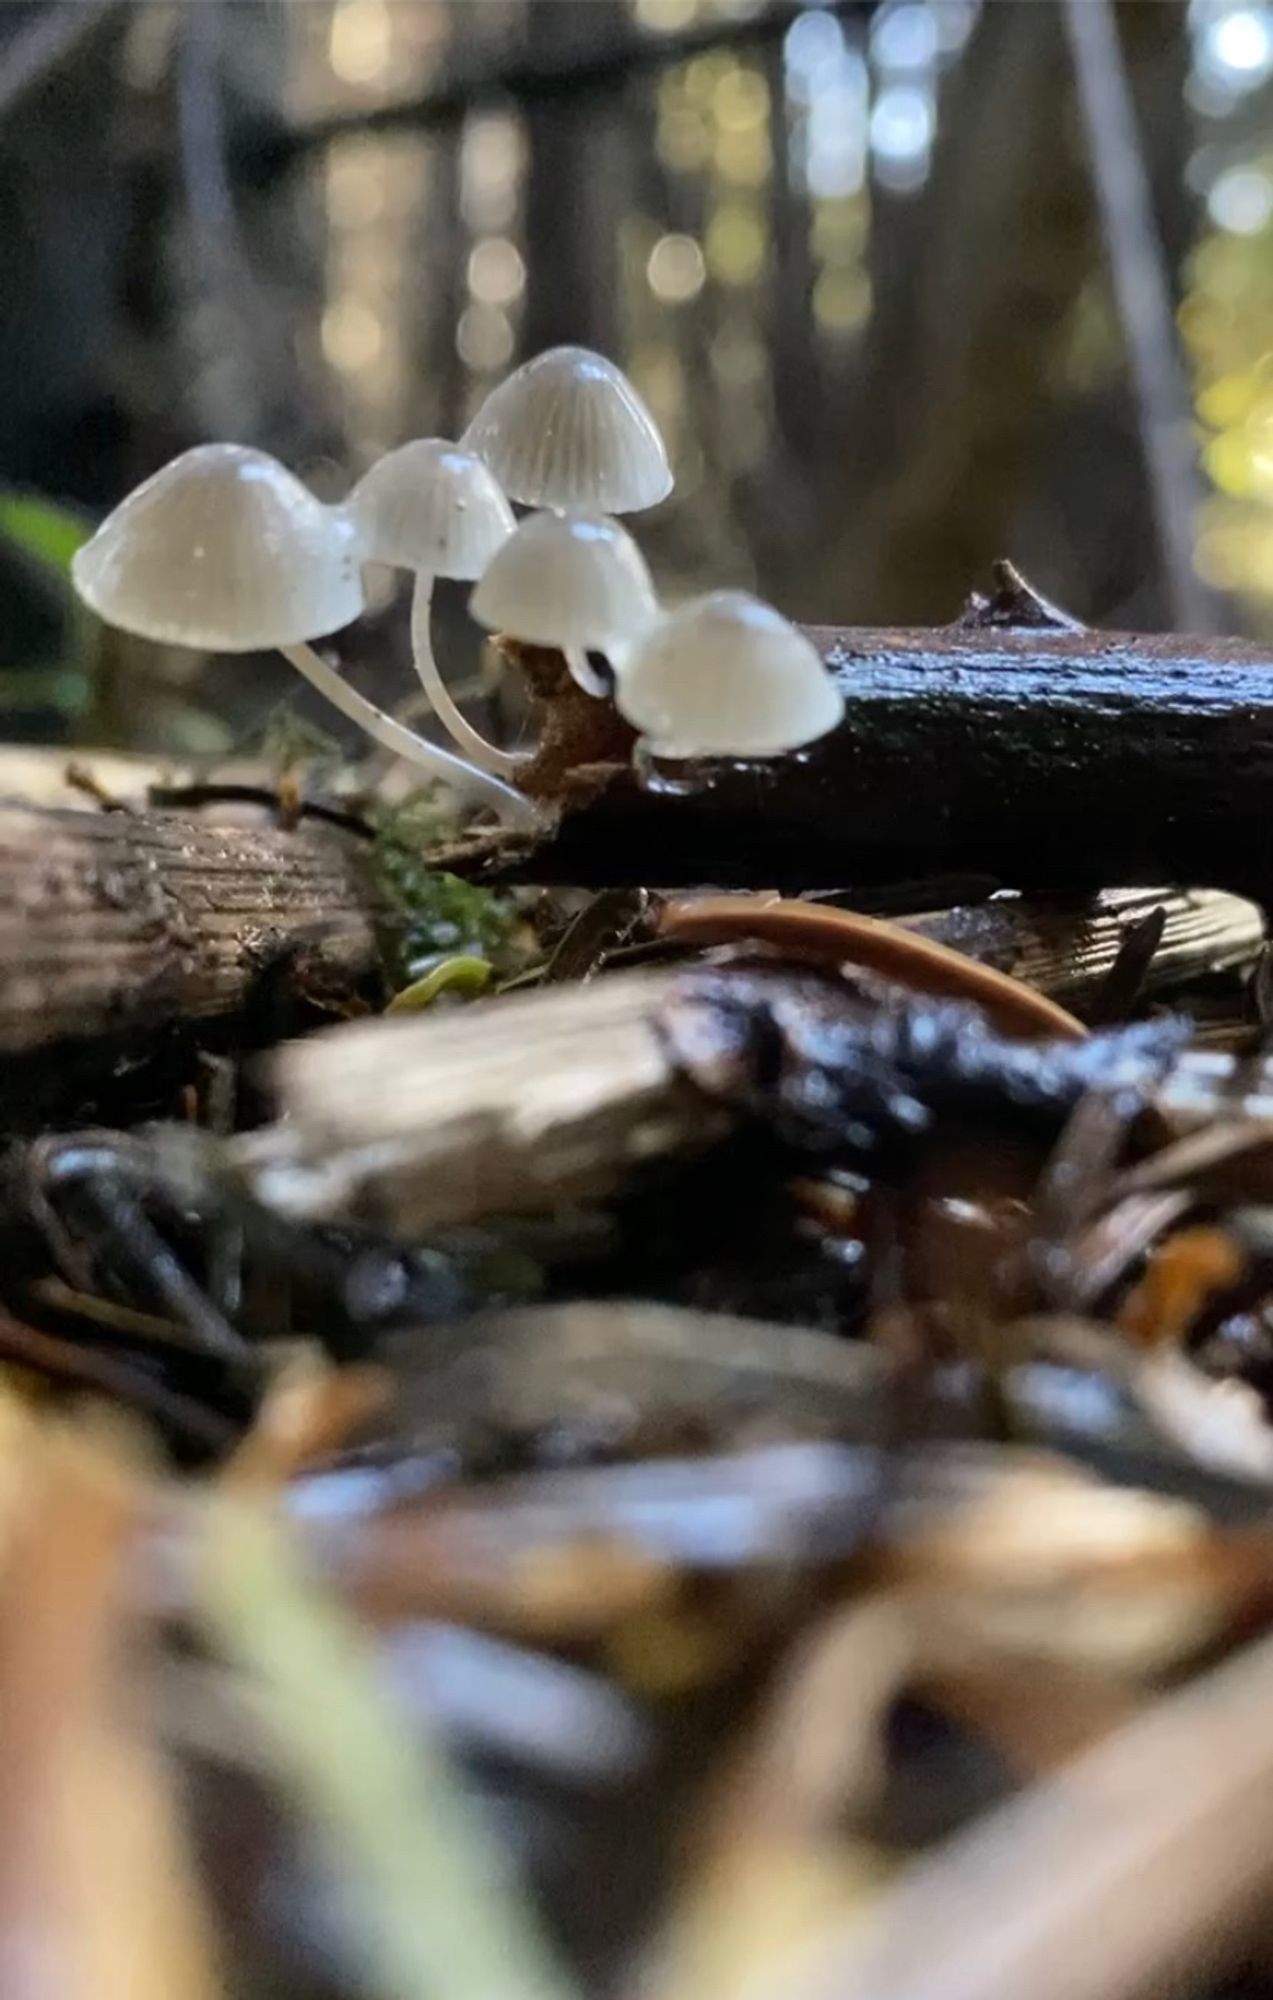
pixel 95 1890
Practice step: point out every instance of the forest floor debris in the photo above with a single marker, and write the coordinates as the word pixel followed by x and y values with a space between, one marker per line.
pixel 654 1465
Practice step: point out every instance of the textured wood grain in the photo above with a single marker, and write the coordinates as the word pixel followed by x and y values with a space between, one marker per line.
pixel 514 1105
pixel 113 922
pixel 1066 946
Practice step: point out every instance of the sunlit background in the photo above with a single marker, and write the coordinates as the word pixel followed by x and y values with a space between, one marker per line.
pixel 851 254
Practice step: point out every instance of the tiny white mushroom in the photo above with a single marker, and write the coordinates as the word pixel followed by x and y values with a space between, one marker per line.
pixel 727 676
pixel 224 549
pixel 577 582
pixel 436 509
pixel 567 431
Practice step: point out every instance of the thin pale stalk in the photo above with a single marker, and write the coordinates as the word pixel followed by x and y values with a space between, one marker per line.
pixel 402 742
pixel 470 740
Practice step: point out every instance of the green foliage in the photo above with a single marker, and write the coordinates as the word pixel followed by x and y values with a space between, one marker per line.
pixel 466 977
pixel 60 689
pixel 433 914
pixel 50 533
pixel 50 646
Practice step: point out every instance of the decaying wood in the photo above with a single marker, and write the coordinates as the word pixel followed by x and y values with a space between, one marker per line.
pixel 537 1100
pixel 1010 745
pixel 1066 946
pixel 118 921
pixel 540 1100
pixel 841 937
pixel 1011 956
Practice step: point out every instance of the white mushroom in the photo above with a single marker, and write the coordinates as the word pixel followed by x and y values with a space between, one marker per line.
pixel 577 582
pixel 568 431
pixel 224 549
pixel 436 509
pixel 727 676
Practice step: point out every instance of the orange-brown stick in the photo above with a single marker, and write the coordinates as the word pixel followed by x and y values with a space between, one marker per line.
pixel 810 930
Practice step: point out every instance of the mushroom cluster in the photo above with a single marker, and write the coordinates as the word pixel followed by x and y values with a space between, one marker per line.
pixel 227 550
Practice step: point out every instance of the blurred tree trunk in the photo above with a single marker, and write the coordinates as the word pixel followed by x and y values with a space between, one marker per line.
pixel 440 298
pixel 967 403
pixel 248 258
pixel 63 218
pixel 571 226
pixel 974 282
pixel 1089 531
pixel 795 357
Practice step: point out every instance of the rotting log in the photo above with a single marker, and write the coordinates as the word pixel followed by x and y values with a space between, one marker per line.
pixel 543 1100
pixel 1014 745
pixel 120 922
pixel 1066 947
pixel 513 1107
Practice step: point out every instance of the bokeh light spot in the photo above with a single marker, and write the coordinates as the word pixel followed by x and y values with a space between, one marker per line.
pixel 496 273
pixel 675 270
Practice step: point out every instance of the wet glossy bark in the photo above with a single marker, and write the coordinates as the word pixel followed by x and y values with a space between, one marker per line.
pixel 1045 758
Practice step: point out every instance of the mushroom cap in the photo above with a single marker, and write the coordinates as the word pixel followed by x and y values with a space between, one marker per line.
pixel 727 676
pixel 223 549
pixel 568 580
pixel 431 505
pixel 569 430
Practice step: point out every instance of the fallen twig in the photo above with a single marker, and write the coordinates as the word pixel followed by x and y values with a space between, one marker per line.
pixel 1010 744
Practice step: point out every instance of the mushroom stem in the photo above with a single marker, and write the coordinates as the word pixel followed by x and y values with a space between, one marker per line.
pixel 404 743
pixel 583 673
pixel 484 754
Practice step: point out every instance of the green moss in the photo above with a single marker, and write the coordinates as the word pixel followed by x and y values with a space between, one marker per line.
pixel 432 914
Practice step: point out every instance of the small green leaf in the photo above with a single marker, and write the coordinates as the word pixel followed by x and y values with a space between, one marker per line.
pixel 467 975
pixel 43 529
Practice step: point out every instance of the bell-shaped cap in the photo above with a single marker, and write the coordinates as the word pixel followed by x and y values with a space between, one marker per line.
pixel 574 580
pixel 223 550
pixel 568 430
pixel 431 505
pixel 727 676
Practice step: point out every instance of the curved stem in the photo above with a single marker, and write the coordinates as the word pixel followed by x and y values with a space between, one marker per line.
pixel 471 740
pixel 404 743
pixel 583 673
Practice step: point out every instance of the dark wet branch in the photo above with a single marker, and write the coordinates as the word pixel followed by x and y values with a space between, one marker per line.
pixel 1038 756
